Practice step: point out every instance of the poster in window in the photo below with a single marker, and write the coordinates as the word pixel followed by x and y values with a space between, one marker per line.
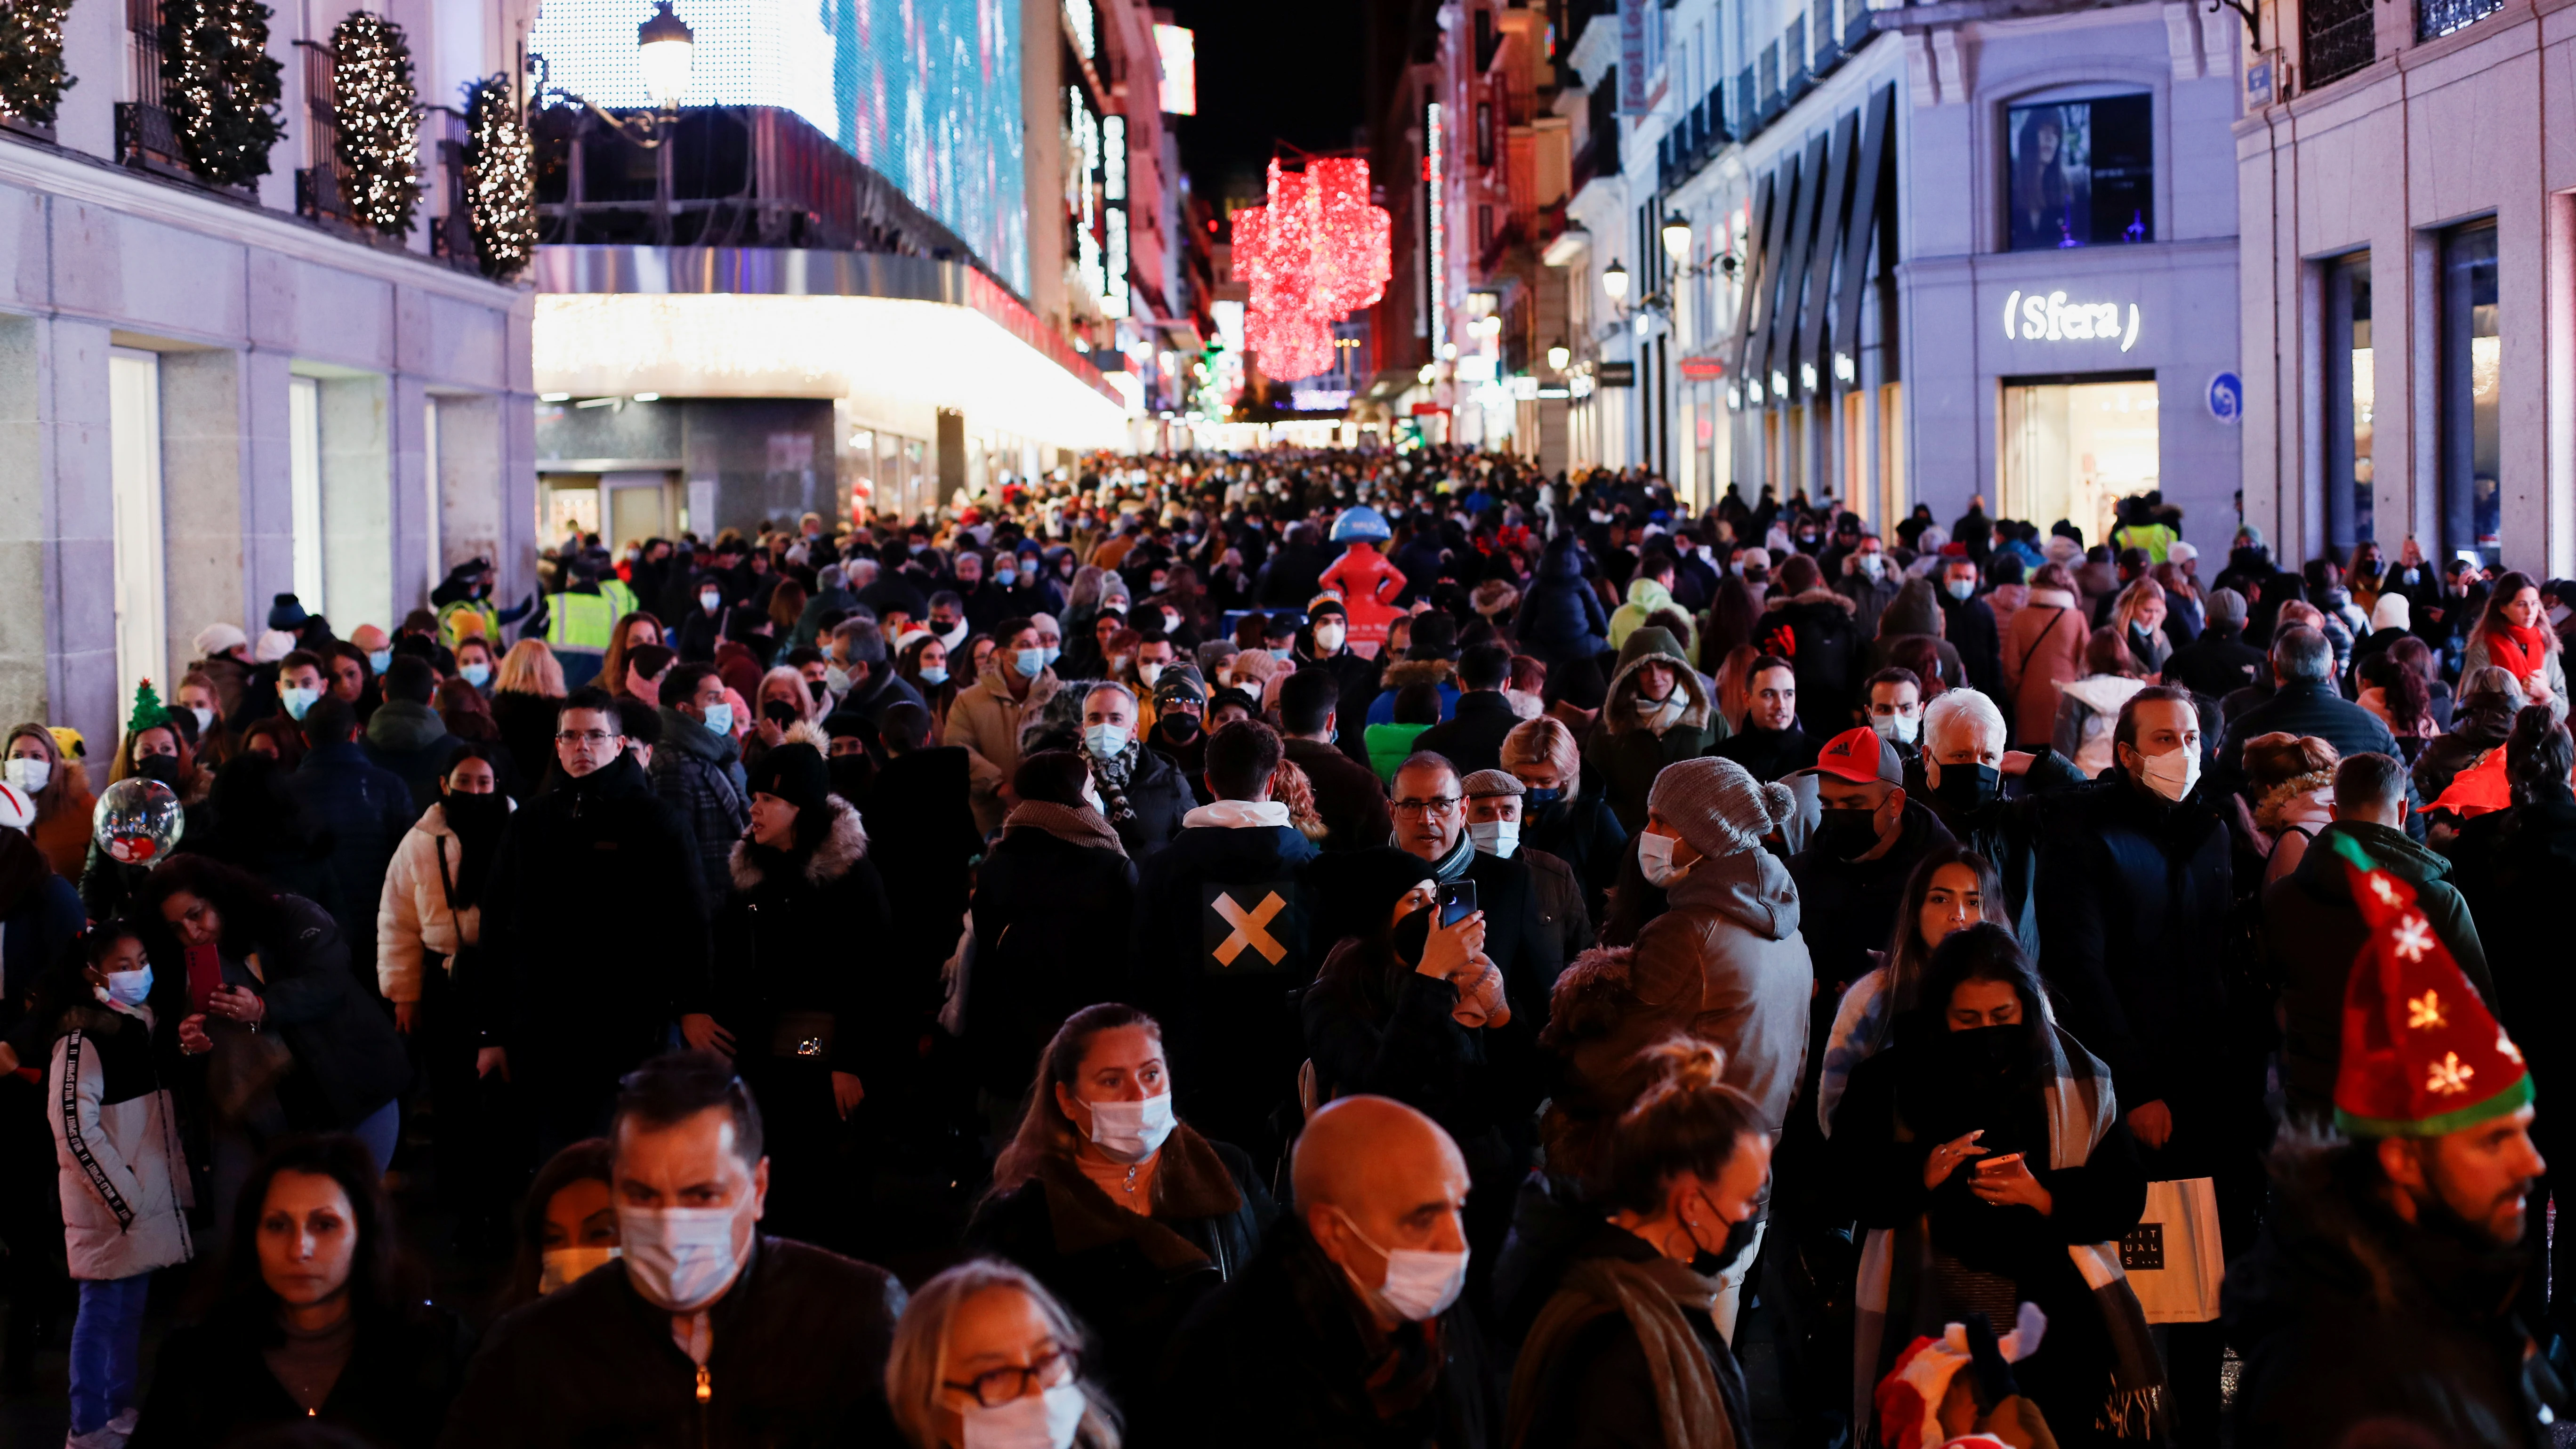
pixel 2082 173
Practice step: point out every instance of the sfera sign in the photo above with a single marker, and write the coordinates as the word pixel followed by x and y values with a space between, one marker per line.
pixel 2033 317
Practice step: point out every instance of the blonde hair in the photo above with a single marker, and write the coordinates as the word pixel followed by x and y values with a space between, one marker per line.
pixel 2134 598
pixel 788 674
pixel 917 1365
pixel 1545 741
pixel 2281 767
pixel 530 668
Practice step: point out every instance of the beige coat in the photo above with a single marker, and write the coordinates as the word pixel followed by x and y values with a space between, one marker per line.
pixel 985 719
pixel 2043 650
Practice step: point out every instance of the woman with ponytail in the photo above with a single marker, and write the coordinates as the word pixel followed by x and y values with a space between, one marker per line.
pixel 1628 1349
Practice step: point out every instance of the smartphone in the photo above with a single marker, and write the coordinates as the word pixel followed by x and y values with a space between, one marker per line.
pixel 1457 901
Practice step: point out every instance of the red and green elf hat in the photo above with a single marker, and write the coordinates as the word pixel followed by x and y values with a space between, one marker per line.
pixel 2422 1056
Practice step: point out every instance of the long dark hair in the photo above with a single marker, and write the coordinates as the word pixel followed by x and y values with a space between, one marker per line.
pixel 1908 960
pixel 2491 619
pixel 246 907
pixel 2538 755
pixel 1634 900
pixel 1044 1129
pixel 383 1282
pixel 586 1160
pixel 1982 952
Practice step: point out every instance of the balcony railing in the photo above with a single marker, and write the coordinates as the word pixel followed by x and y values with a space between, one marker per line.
pixel 2335 40
pixel 2441 17
pixel 1598 157
pixel 145 141
pixel 1793 45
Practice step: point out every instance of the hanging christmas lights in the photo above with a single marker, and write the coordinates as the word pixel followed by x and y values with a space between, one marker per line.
pixel 32 78
pixel 1315 254
pixel 220 85
pixel 500 179
pixel 378 116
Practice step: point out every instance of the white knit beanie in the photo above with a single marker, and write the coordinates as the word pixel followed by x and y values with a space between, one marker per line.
pixel 1717 805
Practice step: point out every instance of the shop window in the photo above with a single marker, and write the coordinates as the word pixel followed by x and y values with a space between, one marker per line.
pixel 1891 449
pixel 2472 357
pixel 2348 384
pixel 134 467
pixel 2081 173
pixel 304 487
pixel 2072 446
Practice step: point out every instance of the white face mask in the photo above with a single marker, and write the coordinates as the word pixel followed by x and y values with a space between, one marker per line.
pixel 28 775
pixel 1130 1132
pixel 563 1265
pixel 710 601
pixel 1497 838
pixel 1104 740
pixel 297 701
pixel 1873 565
pixel 1420 1285
pixel 2173 773
pixel 1046 1420
pixel 1897 728
pixel 680 1259
pixel 1146 674
pixel 1655 859
pixel 127 988
pixel 205 719
pixel 720 717
pixel 1328 638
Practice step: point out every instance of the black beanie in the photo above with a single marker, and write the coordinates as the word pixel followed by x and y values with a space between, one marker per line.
pixel 796 773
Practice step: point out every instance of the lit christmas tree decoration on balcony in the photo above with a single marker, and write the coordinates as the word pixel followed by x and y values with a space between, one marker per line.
pixel 32 78
pixel 1316 253
pixel 220 86
pixel 378 141
pixel 500 179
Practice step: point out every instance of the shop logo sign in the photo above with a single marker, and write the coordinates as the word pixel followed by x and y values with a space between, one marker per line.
pixel 2051 318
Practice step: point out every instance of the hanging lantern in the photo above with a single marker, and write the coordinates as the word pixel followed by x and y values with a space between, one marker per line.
pixel 1315 254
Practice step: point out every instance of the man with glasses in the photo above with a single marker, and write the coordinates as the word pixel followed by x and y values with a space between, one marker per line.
pixel 705 1324
pixel 593 916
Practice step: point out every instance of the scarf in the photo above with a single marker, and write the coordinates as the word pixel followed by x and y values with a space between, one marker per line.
pixel 1111 775
pixel 1660 715
pixel 478 821
pixel 1453 866
pixel 2520 652
pixel 1652 1297
pixel 1190 1184
pixel 1072 824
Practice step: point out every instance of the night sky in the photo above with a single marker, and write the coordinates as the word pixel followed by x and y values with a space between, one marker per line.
pixel 1269 73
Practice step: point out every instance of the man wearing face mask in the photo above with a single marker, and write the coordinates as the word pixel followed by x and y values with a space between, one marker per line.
pixel 1893 710
pixel 1851 876
pixel 1969 624
pixel 859 651
pixel 1346 1329
pixel 1356 679
pixel 1988 798
pixel 701 629
pixel 1143 795
pixel 1870 580
pixel 697 771
pixel 1179 729
pixel 705 1329
pixel 1220 937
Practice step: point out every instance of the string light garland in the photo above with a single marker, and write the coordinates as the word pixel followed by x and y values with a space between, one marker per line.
pixel 220 85
pixel 32 78
pixel 1315 254
pixel 377 121
pixel 500 179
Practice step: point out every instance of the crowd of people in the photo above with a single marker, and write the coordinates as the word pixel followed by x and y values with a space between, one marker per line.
pixel 1314 949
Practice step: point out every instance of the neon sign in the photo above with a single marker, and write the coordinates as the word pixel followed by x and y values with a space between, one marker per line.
pixel 2051 318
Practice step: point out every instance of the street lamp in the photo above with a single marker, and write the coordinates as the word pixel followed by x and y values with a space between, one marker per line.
pixel 1614 280
pixel 1428 372
pixel 1558 355
pixel 1677 238
pixel 662 48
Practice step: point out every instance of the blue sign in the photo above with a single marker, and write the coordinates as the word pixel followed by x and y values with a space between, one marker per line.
pixel 2227 398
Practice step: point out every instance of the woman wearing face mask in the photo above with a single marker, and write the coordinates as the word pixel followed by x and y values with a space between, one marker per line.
pixel 1558 815
pixel 2139 615
pixel 476 664
pixel 198 698
pixel 1123 1211
pixel 1659 711
pixel 34 763
pixel 986 1358
pixel 2514 634
pixel 155 748
pixel 803 1020
pixel 1055 902
pixel 1628 1350
pixel 1950 889
pixel 1984 1151
pixel 923 664
pixel 123 1180
pixel 567 1224
pixel 322 1317
pixel 633 632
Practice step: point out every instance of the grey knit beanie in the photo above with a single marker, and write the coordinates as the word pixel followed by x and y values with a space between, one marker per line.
pixel 1717 804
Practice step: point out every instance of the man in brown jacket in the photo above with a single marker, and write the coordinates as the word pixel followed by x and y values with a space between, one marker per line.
pixel 985 716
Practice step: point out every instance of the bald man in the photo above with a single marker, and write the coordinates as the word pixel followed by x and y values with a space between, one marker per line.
pixel 1347 1328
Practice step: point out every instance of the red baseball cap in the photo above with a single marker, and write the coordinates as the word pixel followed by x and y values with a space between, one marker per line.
pixel 1860 756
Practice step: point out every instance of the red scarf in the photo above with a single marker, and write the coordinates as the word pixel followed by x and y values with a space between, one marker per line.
pixel 2518 651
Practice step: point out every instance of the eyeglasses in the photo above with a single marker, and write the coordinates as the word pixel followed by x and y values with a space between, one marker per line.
pixel 1438 804
pixel 583 737
pixel 1004 1385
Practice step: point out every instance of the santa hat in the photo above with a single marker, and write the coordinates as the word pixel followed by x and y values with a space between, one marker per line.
pixel 2422 1057
pixel 17 808
pixel 1909 1399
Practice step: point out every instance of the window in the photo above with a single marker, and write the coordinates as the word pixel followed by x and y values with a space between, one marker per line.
pixel 2082 173
pixel 2348 384
pixel 134 470
pixel 2471 365
pixel 304 480
pixel 2441 17
pixel 2335 39
pixel 2072 446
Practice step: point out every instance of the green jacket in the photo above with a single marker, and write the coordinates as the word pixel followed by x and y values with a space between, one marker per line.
pixel 1626 753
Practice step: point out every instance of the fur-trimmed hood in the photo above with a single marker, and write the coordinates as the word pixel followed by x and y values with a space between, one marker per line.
pixel 1817 595
pixel 1418 671
pixel 1657 644
pixel 843 846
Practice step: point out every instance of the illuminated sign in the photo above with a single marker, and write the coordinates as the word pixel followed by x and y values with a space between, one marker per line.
pixel 1115 302
pixel 1178 48
pixel 1320 399
pixel 1434 189
pixel 1475 367
pixel 2051 318
pixel 1082 166
pixel 1078 25
pixel 1701 369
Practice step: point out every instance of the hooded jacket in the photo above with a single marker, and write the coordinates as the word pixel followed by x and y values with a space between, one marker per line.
pixel 2087 715
pixel 785 940
pixel 1561 617
pixel 1815 632
pixel 2043 648
pixel 364 811
pixel 412 741
pixel 1645 599
pixel 124 1180
pixel 1915 612
pixel 698 773
pixel 1725 964
pixel 2312 934
pixel 1439 673
pixel 985 718
pixel 2348 1317
pixel 1626 754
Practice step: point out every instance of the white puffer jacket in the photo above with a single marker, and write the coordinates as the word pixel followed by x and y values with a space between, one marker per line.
pixel 412 917
pixel 123 1179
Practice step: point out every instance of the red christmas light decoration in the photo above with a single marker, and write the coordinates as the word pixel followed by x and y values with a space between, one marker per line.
pixel 1315 254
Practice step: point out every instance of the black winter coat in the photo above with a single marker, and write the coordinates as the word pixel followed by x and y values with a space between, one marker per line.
pixel 1472 736
pixel 527 724
pixel 2517 891
pixel 594 914
pixel 797 934
pixel 1815 632
pixel 365 811
pixel 797 1361
pixel 1280 1358
pixel 2347 1317
pixel 1847 908
pixel 1132 1277
pixel 1159 795
pixel 1052 923
pixel 211 1384
pixel 1969 627
pixel 2217 664
pixel 2007 832
pixel 348 1059
pixel 1586 836
pixel 698 773
pixel 2304 707
pixel 1560 617
pixel 1597 1390
pixel 1359 680
pixel 411 741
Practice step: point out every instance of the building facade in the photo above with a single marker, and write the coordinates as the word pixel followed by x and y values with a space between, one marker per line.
pixel 2409 281
pixel 215 394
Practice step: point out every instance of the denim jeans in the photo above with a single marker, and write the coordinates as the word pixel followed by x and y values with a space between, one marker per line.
pixel 105 1338
pixel 381 1130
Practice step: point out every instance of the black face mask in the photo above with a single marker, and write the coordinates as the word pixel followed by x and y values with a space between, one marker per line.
pixel 473 815
pixel 1412 937
pixel 1987 1055
pixel 164 768
pixel 1180 729
pixel 1968 787
pixel 1847 834
pixel 851 775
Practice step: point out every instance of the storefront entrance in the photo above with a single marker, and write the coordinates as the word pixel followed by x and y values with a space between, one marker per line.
pixel 2074 446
